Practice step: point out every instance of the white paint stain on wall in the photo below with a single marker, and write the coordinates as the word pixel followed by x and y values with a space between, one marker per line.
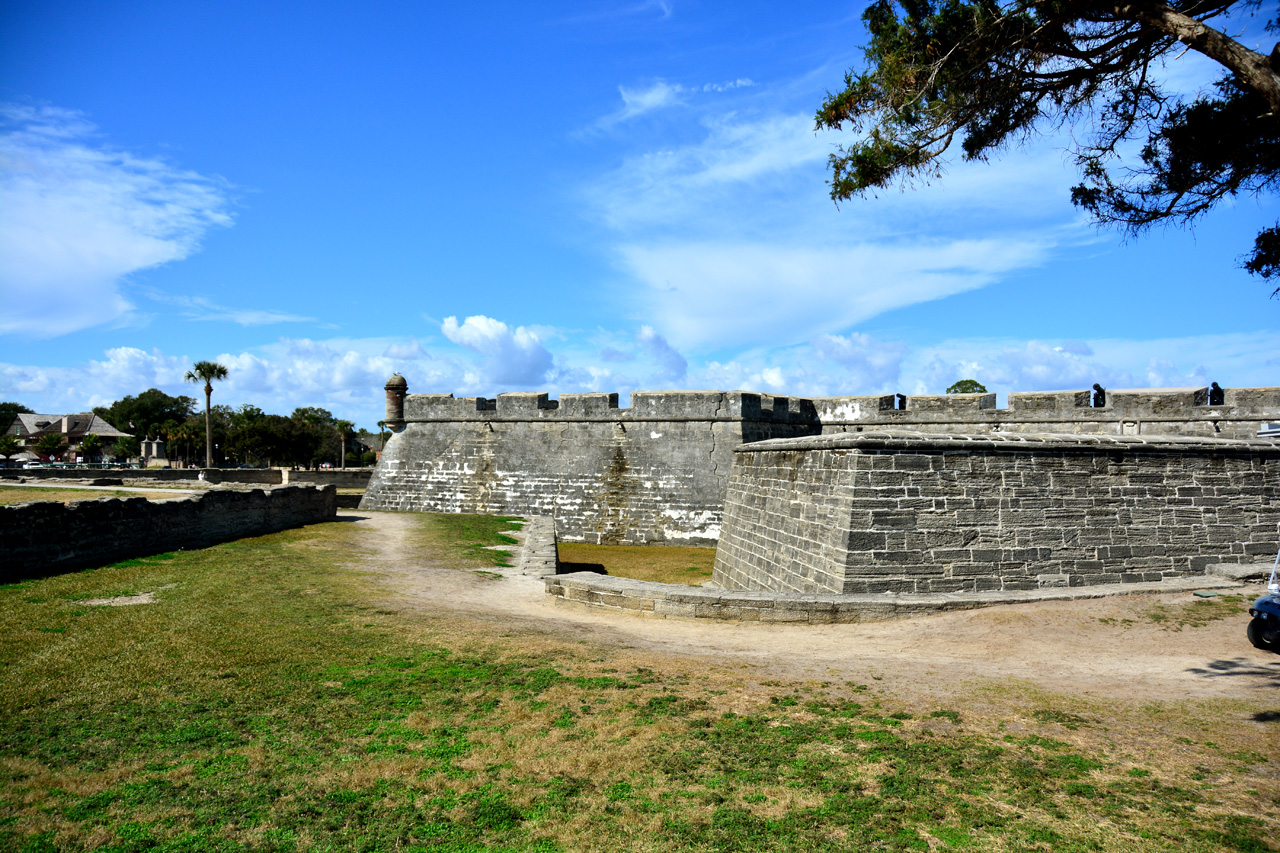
pixel 843 412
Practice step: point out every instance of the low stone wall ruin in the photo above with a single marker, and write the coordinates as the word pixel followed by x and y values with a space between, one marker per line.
pixel 46 537
pixel 343 478
pixel 912 512
pixel 349 478
pixel 249 476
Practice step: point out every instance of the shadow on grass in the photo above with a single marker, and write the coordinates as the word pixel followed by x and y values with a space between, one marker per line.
pixel 1268 672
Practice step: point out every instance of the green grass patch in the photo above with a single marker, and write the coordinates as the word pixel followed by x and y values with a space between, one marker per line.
pixel 465 541
pixel 677 564
pixel 268 702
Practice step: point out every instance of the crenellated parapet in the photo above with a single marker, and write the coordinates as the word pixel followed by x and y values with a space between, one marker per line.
pixel 657 471
pixel 646 406
pixel 1122 411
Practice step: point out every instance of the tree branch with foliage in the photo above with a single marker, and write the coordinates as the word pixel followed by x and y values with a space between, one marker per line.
pixel 986 74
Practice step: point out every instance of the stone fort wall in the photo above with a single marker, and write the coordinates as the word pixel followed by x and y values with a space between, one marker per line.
pixel 653 473
pixel 911 512
pixel 658 472
pixel 1142 411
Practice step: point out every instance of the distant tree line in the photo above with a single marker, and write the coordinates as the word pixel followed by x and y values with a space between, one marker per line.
pixel 246 435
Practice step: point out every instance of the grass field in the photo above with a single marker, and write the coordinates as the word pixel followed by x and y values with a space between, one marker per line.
pixel 20 494
pixel 664 564
pixel 272 699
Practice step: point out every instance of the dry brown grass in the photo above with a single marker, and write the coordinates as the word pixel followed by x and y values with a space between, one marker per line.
pixel 286 633
pixel 24 494
pixel 677 564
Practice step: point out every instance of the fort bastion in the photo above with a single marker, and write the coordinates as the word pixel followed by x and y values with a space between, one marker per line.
pixel 658 472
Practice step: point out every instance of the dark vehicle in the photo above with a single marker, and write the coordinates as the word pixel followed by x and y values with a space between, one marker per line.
pixel 1264 627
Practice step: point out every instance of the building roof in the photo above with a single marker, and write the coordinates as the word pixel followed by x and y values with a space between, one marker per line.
pixel 73 426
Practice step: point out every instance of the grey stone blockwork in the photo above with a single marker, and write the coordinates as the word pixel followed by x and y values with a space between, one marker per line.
pixel 1141 411
pixel 46 536
pixel 672 601
pixel 653 473
pixel 912 512
pixel 658 471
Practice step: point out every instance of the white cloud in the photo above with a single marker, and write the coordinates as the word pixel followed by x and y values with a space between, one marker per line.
pixel 79 217
pixel 672 366
pixel 637 102
pixel 740 83
pixel 707 295
pixel 515 357
pixel 1246 359
pixel 871 364
pixel 346 375
pixel 123 371
pixel 410 350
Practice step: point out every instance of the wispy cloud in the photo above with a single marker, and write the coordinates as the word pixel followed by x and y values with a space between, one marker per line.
pixel 711 295
pixel 636 102
pixel 660 94
pixel 202 309
pixel 79 217
pixel 733 242
pixel 662 9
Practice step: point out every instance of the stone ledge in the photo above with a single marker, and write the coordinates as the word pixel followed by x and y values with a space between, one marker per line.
pixel 649 598
pixel 1241 572
pixel 539 552
pixel 876 440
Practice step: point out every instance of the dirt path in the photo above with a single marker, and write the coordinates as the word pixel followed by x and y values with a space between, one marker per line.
pixel 1110 648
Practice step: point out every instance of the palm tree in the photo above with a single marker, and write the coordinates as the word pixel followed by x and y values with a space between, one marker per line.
pixel 51 445
pixel 9 447
pixel 206 372
pixel 91 446
pixel 344 429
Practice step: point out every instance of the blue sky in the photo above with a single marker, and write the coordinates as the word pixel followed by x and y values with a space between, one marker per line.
pixel 549 196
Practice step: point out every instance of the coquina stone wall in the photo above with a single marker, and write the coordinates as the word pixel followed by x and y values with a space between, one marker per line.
pixel 45 537
pixel 1142 411
pixel 343 478
pixel 653 473
pixel 658 471
pixel 914 512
